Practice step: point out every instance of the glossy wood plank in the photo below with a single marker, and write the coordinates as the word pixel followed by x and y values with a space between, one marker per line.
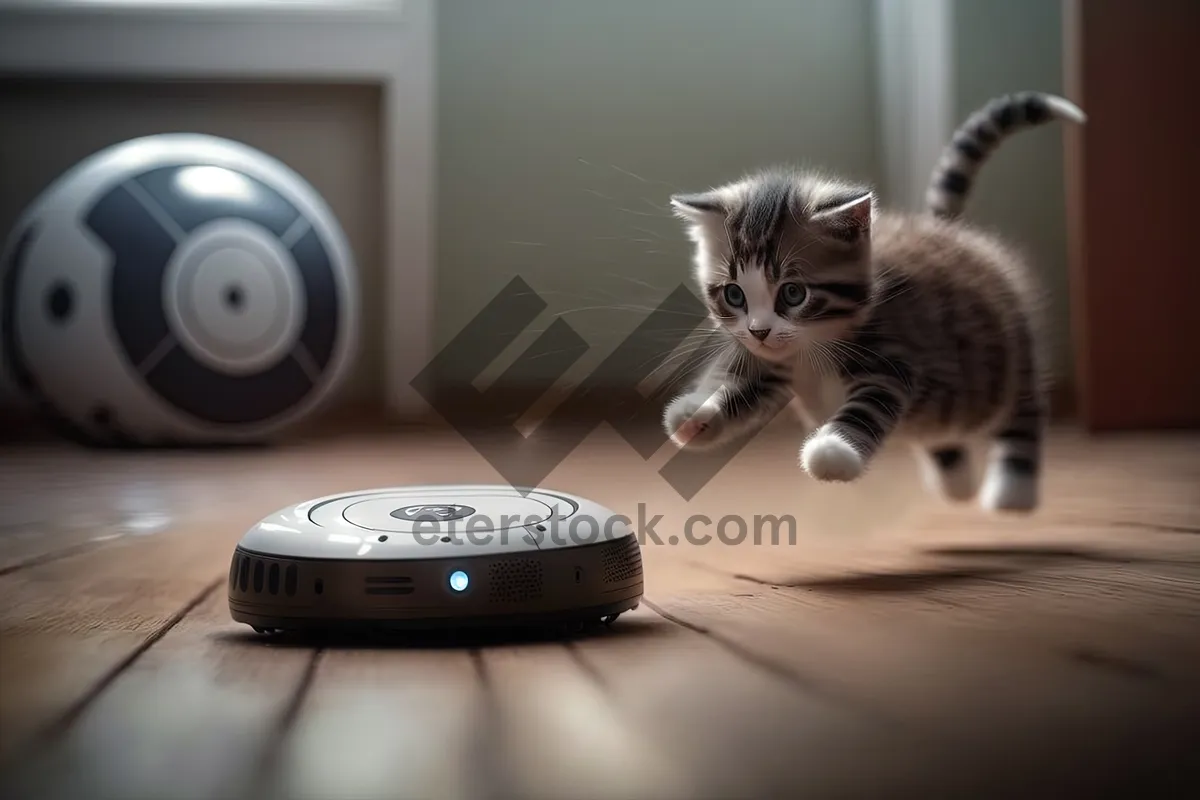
pixel 193 717
pixel 382 722
pixel 1079 710
pixel 69 627
pixel 556 734
pixel 897 642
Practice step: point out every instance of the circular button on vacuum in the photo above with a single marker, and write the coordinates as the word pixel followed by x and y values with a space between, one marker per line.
pixel 464 514
pixel 433 512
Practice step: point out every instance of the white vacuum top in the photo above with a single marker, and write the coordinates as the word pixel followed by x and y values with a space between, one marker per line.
pixel 417 522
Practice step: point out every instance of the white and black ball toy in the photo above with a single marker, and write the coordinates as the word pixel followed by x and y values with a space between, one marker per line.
pixel 178 289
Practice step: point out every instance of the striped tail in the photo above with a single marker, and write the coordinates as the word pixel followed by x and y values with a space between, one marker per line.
pixel 979 136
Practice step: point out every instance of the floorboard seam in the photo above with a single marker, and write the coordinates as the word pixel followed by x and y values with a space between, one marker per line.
pixel 587 668
pixel 56 555
pixel 1124 666
pixel 492 782
pixel 75 711
pixel 1153 526
pixel 268 761
pixel 782 672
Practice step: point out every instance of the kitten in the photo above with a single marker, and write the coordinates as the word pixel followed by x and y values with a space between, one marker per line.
pixel 880 324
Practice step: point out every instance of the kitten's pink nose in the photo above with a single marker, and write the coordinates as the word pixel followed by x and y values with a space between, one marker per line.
pixel 760 333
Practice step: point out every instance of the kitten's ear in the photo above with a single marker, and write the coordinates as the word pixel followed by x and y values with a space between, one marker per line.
pixel 848 221
pixel 699 207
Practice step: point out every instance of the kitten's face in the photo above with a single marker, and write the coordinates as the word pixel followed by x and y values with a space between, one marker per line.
pixel 783 260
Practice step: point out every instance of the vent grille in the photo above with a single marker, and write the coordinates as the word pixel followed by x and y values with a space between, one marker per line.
pixel 621 560
pixel 389 585
pixel 515 580
pixel 249 575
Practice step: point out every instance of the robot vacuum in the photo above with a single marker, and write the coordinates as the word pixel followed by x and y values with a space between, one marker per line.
pixel 436 556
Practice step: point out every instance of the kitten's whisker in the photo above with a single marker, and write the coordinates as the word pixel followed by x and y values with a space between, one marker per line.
pixel 673 360
pixel 648 181
pixel 638 281
pixel 667 357
pixel 649 232
pixel 640 213
pixel 545 354
pixel 656 206
pixel 633 175
pixel 628 308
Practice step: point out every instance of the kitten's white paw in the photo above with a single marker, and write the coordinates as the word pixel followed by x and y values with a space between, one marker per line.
pixel 826 456
pixel 691 423
pixel 1008 492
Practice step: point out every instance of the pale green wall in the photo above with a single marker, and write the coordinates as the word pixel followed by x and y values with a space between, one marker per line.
pixel 1002 46
pixel 541 101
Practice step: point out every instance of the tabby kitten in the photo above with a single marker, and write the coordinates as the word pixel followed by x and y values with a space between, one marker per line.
pixel 879 324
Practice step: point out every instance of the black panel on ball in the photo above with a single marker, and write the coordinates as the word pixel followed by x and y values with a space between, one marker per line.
pixel 259 203
pixel 228 399
pixel 141 250
pixel 12 353
pixel 321 297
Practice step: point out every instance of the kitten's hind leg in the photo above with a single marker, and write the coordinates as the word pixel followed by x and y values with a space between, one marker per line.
pixel 947 471
pixel 1012 482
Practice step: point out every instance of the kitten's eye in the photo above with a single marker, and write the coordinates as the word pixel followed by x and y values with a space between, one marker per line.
pixel 734 295
pixel 792 293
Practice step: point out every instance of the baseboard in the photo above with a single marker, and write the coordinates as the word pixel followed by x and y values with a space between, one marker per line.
pixel 538 403
pixel 21 426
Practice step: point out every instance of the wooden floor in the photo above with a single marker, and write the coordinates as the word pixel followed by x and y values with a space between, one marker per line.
pixel 898 648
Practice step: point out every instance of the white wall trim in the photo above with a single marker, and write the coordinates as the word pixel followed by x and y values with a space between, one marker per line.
pixel 410 122
pixel 915 85
pixel 390 43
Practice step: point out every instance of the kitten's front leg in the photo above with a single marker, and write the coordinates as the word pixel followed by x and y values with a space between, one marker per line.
pixel 844 445
pixel 729 401
pixel 696 420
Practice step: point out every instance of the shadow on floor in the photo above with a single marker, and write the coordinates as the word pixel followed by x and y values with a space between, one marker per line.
pixel 991 563
pixel 1118 664
pixel 1034 554
pixel 901 581
pixel 376 638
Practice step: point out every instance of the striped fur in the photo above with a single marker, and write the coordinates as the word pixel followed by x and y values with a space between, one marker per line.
pixel 981 135
pixel 922 327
